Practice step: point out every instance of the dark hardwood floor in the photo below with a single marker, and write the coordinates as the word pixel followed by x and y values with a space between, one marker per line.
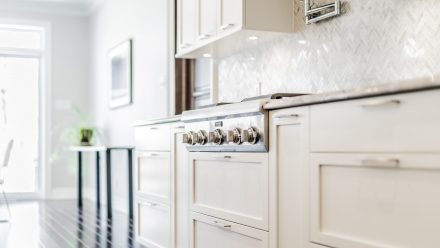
pixel 59 224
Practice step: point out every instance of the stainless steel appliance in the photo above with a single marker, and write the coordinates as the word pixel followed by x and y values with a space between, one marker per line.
pixel 237 127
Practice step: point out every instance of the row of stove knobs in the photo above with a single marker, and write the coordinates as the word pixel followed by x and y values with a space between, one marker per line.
pixel 217 137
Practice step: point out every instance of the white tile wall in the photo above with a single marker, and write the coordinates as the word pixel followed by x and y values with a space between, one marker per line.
pixel 373 42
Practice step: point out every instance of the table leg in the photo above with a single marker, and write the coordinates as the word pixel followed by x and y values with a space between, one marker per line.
pixel 80 202
pixel 130 183
pixel 98 182
pixel 109 184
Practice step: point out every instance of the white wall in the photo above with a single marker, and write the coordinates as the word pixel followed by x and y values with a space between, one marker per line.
pixel 69 83
pixel 146 22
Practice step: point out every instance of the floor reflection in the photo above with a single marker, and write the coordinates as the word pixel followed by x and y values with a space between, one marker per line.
pixel 53 224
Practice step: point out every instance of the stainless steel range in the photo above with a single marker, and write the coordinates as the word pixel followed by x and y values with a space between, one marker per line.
pixel 238 127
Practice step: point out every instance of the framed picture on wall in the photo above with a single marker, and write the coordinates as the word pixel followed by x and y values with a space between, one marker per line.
pixel 120 75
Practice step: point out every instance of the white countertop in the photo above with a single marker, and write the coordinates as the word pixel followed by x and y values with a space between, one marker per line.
pixel 382 89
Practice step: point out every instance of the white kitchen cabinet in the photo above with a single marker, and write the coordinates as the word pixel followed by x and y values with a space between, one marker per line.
pixel 180 208
pixel 230 15
pixel 224 26
pixel 152 138
pixel 154 175
pixel 153 224
pixel 209 232
pixel 207 25
pixel 231 186
pixel 375 200
pixel 289 167
pixel 395 123
pixel 186 23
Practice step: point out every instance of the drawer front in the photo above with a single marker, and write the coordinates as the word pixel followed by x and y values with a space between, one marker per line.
pixel 232 186
pixel 153 138
pixel 396 123
pixel 153 172
pixel 153 224
pixel 371 201
pixel 208 232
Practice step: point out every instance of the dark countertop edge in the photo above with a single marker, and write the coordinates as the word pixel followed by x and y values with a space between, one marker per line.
pixel 356 93
pixel 166 120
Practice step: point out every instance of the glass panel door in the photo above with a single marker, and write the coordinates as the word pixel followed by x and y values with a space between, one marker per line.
pixel 19 120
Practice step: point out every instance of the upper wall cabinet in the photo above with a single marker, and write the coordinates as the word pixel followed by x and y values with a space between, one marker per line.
pixel 219 28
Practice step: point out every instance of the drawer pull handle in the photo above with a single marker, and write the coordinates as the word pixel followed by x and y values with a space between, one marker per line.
pixel 222 157
pixel 287 116
pixel 388 163
pixel 227 26
pixel 381 103
pixel 154 128
pixel 150 155
pixel 149 204
pixel 204 36
pixel 221 225
pixel 179 127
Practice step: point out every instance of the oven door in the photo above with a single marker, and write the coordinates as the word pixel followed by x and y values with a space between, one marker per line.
pixel 231 186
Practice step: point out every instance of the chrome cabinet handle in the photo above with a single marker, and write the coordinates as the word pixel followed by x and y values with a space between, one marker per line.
pixel 149 204
pixel 150 155
pixel 380 103
pixel 227 26
pixel 204 36
pixel 179 127
pixel 287 116
pixel 222 157
pixel 221 225
pixel 387 163
pixel 185 45
pixel 154 128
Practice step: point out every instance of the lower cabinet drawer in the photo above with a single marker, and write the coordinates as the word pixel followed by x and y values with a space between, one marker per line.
pixel 233 187
pixel 375 200
pixel 153 170
pixel 153 224
pixel 209 232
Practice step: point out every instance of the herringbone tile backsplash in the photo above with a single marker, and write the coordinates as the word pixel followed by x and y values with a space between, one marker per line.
pixel 373 42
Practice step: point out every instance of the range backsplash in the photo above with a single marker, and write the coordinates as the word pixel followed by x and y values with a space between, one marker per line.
pixel 373 42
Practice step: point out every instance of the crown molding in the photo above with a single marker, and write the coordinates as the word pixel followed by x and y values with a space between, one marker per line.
pixel 59 7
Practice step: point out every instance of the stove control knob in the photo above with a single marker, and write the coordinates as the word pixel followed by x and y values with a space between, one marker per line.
pixel 250 135
pixel 190 138
pixel 216 137
pixel 202 138
pixel 234 136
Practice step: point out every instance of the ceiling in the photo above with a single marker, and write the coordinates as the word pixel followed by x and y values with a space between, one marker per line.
pixel 78 7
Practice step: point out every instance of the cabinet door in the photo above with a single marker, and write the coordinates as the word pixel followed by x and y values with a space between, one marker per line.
pixel 230 15
pixel 153 175
pixel 289 153
pixel 181 212
pixel 186 23
pixel 375 200
pixel 207 24
pixel 153 224
pixel 231 186
pixel 209 232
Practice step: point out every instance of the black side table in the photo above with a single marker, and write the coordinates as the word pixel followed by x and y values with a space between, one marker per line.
pixel 130 179
pixel 80 150
pixel 97 149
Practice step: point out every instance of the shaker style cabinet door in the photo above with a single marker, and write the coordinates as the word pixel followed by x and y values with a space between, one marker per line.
pixel 207 25
pixel 153 224
pixel 153 175
pixel 289 167
pixel 230 13
pixel 186 24
pixel 231 186
pixel 209 232
pixel 375 200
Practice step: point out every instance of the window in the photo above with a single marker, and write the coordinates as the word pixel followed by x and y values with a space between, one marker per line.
pixel 21 55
